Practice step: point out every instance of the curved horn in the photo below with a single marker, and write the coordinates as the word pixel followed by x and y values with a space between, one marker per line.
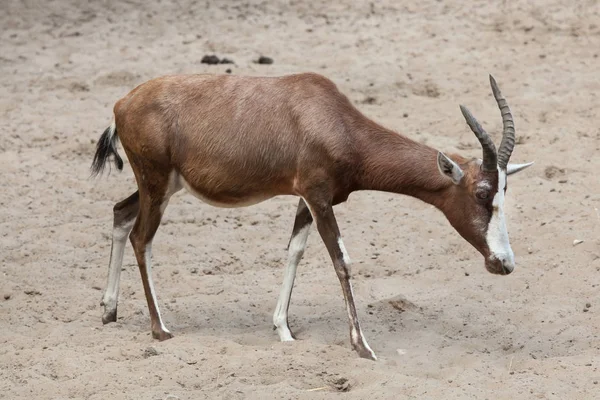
pixel 508 126
pixel 490 158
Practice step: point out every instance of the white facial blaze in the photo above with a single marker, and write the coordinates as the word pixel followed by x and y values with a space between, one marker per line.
pixel 497 235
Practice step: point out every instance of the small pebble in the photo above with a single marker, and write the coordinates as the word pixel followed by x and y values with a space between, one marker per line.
pixel 150 352
pixel 7 296
pixel 588 305
pixel 370 100
pixel 577 241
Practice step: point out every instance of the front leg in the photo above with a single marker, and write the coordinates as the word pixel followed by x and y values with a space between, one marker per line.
pixel 328 229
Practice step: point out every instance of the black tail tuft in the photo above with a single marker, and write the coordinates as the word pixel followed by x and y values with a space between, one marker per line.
pixel 107 145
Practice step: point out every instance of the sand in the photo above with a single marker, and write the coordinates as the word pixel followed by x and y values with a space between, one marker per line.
pixel 442 326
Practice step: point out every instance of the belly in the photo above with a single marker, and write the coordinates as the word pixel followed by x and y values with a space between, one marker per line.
pixel 224 199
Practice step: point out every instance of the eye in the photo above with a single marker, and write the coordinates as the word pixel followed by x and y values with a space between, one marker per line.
pixel 482 194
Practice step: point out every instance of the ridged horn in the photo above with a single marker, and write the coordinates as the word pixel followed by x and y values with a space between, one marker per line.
pixel 490 158
pixel 508 127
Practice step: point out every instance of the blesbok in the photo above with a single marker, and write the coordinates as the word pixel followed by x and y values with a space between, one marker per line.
pixel 235 141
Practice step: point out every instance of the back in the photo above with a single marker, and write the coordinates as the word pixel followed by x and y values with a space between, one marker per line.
pixel 231 133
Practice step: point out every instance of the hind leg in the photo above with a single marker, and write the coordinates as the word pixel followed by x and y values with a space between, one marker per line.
pixel 124 217
pixel 296 248
pixel 153 201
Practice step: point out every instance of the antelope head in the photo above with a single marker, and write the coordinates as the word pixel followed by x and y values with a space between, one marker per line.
pixel 475 204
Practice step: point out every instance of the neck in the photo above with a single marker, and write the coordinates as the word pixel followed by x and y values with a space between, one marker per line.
pixel 396 164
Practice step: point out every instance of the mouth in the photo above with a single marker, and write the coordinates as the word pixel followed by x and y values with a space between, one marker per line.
pixel 498 266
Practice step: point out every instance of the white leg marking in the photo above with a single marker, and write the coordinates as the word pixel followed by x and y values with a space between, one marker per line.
pixel 497 235
pixel 357 336
pixel 295 252
pixel 119 240
pixel 345 255
pixel 148 259
pixel 173 187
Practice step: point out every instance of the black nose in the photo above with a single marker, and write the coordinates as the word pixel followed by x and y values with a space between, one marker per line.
pixel 507 268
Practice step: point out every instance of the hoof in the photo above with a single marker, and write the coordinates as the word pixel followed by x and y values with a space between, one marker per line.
pixel 109 316
pixel 366 353
pixel 162 335
pixel 285 335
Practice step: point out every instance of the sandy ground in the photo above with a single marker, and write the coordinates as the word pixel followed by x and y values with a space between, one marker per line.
pixel 460 333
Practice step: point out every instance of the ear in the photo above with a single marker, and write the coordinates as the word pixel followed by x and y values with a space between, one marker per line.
pixel 514 168
pixel 449 168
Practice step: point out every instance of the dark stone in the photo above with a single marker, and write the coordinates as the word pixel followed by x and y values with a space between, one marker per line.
pixel 211 60
pixel 265 60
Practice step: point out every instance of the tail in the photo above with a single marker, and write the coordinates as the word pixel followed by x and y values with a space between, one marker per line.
pixel 106 146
